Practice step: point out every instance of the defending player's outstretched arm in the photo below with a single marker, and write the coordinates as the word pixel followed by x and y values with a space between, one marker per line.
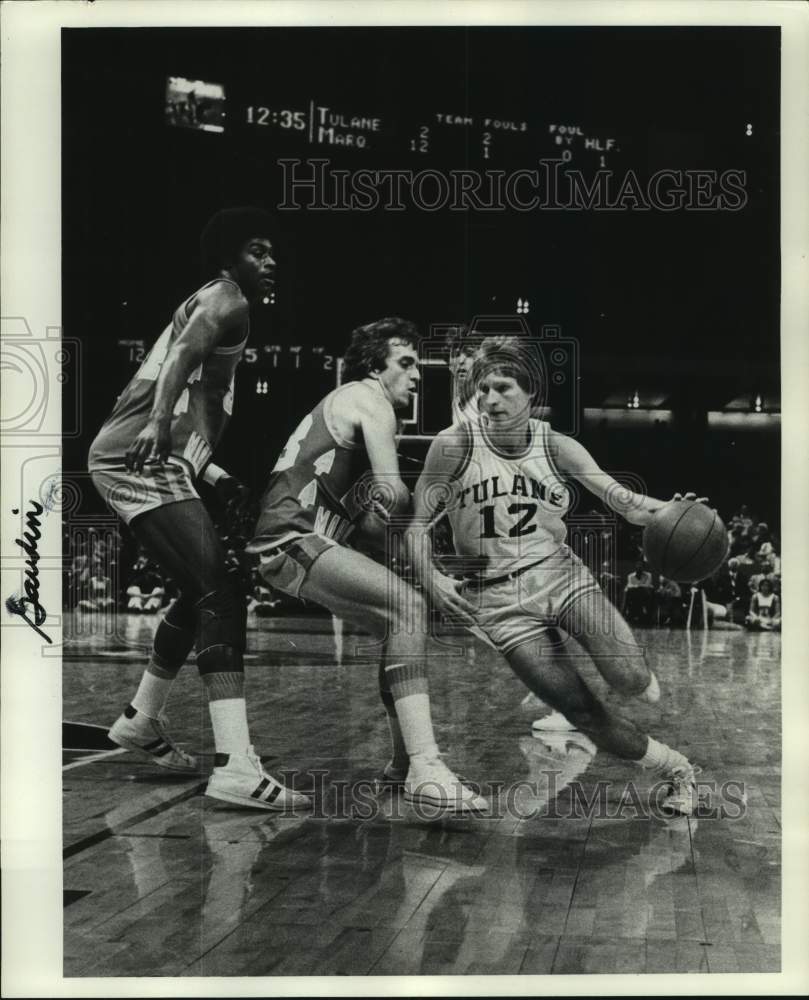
pixel 575 460
pixel 433 493
pixel 218 310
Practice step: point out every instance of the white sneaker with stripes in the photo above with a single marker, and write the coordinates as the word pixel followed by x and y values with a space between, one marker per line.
pixel 148 737
pixel 682 798
pixel 241 780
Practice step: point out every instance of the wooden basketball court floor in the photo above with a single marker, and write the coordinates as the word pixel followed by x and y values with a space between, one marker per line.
pixel 160 881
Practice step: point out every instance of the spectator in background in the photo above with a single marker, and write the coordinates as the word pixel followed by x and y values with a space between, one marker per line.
pixel 732 590
pixel 741 530
pixel 746 563
pixel 146 588
pixel 639 596
pixel 761 534
pixel 669 597
pixel 765 609
pixel 264 601
pixel 744 518
pixel 609 582
pixel 738 539
pixel 97 592
pixel 768 560
pixel 79 576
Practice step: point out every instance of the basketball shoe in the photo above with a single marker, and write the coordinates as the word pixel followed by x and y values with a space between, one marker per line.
pixel 430 783
pixel 682 798
pixel 391 777
pixel 394 777
pixel 553 722
pixel 148 737
pixel 241 780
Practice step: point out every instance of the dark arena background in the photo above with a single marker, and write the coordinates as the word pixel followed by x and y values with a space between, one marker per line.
pixel 661 327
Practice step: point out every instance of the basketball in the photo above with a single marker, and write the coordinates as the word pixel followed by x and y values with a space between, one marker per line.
pixel 685 541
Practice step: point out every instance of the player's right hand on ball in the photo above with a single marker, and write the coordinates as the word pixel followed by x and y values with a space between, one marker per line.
pixel 446 598
pixel 153 443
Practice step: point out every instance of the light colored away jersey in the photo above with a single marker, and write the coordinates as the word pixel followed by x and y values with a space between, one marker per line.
pixel 508 509
pixel 311 488
pixel 200 414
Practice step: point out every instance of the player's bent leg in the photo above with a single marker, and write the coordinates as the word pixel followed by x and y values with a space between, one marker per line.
pixel 540 667
pixel 559 685
pixel 238 776
pixel 142 725
pixel 604 634
pixel 177 536
pixel 553 721
pixel 182 539
pixel 394 772
pixel 361 591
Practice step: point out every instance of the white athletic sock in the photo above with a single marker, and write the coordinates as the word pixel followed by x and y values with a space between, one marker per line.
pixel 662 758
pixel 229 721
pixel 413 711
pixel 151 696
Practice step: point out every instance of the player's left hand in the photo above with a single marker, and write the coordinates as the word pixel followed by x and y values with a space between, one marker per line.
pixel 228 488
pixel 690 496
pixel 446 597
pixel 153 443
pixel 233 495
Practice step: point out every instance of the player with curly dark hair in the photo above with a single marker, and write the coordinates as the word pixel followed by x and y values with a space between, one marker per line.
pixel 227 231
pixel 146 462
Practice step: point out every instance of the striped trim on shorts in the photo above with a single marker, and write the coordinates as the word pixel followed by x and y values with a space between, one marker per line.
pixel 129 494
pixel 286 564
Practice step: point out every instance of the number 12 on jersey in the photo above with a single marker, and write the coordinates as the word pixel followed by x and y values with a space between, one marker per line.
pixel 524 511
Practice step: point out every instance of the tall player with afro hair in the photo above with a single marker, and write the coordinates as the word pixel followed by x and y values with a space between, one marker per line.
pixel 146 462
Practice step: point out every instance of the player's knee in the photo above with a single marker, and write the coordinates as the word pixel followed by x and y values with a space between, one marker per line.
pixel 629 675
pixel 634 675
pixel 587 716
pixel 409 615
pixel 222 620
pixel 174 636
pixel 182 614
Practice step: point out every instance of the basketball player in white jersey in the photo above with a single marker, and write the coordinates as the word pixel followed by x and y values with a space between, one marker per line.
pixel 146 461
pixel 464 349
pixel 503 481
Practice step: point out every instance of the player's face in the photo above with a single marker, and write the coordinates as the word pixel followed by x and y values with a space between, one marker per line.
pixel 461 362
pixel 503 400
pixel 254 267
pixel 400 376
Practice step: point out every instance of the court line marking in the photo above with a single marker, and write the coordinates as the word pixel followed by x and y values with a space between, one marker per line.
pixel 92 759
pixel 102 835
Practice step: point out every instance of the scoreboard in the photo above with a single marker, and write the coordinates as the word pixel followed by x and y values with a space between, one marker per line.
pixel 444 134
pixel 408 134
